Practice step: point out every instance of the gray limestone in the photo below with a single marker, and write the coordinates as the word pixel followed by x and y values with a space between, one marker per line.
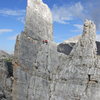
pixel 5 81
pixel 47 71
pixel 38 20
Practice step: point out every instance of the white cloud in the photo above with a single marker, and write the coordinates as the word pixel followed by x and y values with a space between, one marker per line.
pixel 78 27
pixel 22 19
pixel 5 31
pixel 20 14
pixel 93 8
pixel 11 12
pixel 89 9
pixel 66 13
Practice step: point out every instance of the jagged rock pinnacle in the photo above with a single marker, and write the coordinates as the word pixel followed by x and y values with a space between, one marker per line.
pixel 29 2
pixel 90 29
pixel 38 20
pixel 86 46
pixel 42 73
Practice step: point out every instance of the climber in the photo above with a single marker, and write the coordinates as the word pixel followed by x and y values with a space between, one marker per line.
pixel 45 41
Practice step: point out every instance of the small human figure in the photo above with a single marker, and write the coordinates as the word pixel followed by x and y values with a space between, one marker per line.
pixel 45 41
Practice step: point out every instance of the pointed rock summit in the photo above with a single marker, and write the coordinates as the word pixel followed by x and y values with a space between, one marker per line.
pixel 38 27
pixel 86 45
pixel 38 20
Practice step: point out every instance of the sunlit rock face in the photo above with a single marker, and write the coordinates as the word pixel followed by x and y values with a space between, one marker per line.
pixel 47 71
pixel 5 77
pixel 38 20
pixel 86 46
pixel 38 27
pixel 33 58
pixel 81 70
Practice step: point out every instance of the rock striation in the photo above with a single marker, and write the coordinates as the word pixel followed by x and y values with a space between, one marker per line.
pixel 43 70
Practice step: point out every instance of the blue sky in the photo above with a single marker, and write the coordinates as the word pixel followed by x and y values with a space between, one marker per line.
pixel 68 17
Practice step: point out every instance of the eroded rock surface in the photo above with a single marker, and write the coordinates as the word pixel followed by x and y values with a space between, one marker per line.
pixel 44 72
pixel 6 80
pixel 81 71
pixel 38 21
pixel 47 71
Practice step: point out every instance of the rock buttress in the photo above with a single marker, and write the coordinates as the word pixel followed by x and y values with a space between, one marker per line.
pixel 41 73
pixel 38 28
pixel 79 79
pixel 33 57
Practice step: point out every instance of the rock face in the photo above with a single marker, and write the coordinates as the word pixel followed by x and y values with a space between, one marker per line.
pixel 43 70
pixel 33 63
pixel 5 77
pixel 38 27
pixel 38 20
pixel 80 72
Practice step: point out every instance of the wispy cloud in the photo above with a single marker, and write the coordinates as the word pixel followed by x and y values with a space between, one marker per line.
pixel 20 14
pixel 11 12
pixel 62 14
pixel 78 27
pixel 93 8
pixel 87 10
pixel 2 31
pixel 21 19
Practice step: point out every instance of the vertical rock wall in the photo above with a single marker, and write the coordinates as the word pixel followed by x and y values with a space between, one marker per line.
pixel 33 57
pixel 6 79
pixel 38 27
pixel 79 79
pixel 42 73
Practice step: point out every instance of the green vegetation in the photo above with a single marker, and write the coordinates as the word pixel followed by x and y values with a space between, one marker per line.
pixel 8 59
pixel 8 63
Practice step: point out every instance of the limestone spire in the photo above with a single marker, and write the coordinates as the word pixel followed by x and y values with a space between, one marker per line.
pixel 90 29
pixel 85 49
pixel 29 2
pixel 38 20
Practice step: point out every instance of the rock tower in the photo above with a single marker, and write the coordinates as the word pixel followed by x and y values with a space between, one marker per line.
pixel 38 20
pixel 47 71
